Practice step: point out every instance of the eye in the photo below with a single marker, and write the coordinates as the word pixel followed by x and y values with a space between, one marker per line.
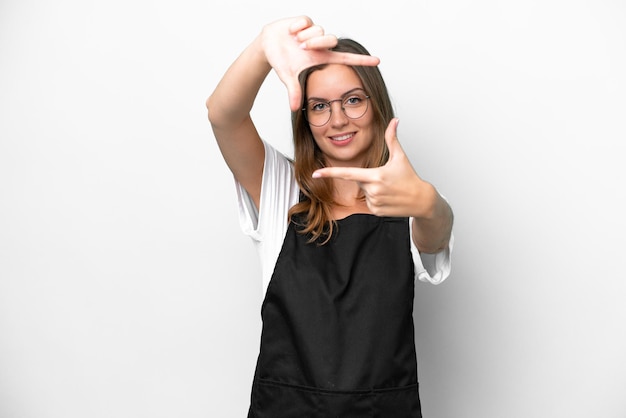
pixel 318 107
pixel 353 100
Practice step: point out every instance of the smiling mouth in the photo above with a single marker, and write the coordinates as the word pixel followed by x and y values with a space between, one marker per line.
pixel 341 138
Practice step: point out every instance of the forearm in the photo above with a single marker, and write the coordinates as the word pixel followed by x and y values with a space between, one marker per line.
pixel 432 228
pixel 231 101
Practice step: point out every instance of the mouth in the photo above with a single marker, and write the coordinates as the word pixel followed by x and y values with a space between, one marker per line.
pixel 343 137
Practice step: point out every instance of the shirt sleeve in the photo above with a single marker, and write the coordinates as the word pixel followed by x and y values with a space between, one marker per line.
pixel 432 268
pixel 267 224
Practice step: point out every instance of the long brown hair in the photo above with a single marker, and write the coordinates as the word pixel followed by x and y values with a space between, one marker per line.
pixel 314 209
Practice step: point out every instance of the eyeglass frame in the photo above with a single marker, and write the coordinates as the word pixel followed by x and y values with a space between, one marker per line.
pixel 343 109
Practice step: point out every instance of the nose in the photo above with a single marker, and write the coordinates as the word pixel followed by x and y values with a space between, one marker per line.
pixel 337 115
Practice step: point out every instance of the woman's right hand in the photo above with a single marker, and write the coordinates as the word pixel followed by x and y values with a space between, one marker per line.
pixel 295 44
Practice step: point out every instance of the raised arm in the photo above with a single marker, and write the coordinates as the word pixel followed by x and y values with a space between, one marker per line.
pixel 288 46
pixel 229 113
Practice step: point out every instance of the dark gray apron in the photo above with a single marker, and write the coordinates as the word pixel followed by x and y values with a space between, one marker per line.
pixel 338 337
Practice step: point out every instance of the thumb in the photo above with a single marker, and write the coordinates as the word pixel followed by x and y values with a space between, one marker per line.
pixel 295 94
pixel 391 137
pixel 292 84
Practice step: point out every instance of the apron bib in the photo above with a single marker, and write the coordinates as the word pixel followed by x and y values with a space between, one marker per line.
pixel 338 337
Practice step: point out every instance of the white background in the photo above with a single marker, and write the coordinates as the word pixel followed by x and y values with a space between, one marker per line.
pixel 128 290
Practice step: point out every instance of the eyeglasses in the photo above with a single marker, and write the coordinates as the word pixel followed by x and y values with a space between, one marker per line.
pixel 353 104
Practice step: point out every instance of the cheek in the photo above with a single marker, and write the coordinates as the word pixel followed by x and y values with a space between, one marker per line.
pixel 368 127
pixel 318 134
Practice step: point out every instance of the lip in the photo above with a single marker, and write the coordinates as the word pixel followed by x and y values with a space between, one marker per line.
pixel 342 139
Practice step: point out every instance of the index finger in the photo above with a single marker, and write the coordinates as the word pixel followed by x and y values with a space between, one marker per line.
pixel 325 43
pixel 348 58
pixel 361 175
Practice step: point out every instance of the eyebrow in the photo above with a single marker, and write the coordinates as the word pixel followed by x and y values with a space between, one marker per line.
pixel 321 99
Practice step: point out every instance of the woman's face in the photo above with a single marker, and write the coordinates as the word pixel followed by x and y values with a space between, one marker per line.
pixel 344 141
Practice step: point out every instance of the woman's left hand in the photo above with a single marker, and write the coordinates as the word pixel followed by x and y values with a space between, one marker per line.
pixel 394 189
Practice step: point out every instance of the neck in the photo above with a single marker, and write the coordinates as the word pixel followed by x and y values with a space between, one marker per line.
pixel 348 198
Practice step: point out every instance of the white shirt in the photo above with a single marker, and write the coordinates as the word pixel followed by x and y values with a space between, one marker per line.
pixel 267 226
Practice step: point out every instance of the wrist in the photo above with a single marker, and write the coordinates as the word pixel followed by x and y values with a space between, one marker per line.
pixel 257 55
pixel 425 201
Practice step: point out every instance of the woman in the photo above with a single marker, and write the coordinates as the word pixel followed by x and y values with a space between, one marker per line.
pixel 342 231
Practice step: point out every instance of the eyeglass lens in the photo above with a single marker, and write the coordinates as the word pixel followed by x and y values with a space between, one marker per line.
pixel 353 106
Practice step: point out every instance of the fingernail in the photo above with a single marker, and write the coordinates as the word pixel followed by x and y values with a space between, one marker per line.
pixel 316 175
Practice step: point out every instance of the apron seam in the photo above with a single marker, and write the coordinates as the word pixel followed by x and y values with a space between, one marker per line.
pixel 323 391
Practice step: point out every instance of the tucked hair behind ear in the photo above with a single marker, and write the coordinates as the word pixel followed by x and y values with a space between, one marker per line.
pixel 314 211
